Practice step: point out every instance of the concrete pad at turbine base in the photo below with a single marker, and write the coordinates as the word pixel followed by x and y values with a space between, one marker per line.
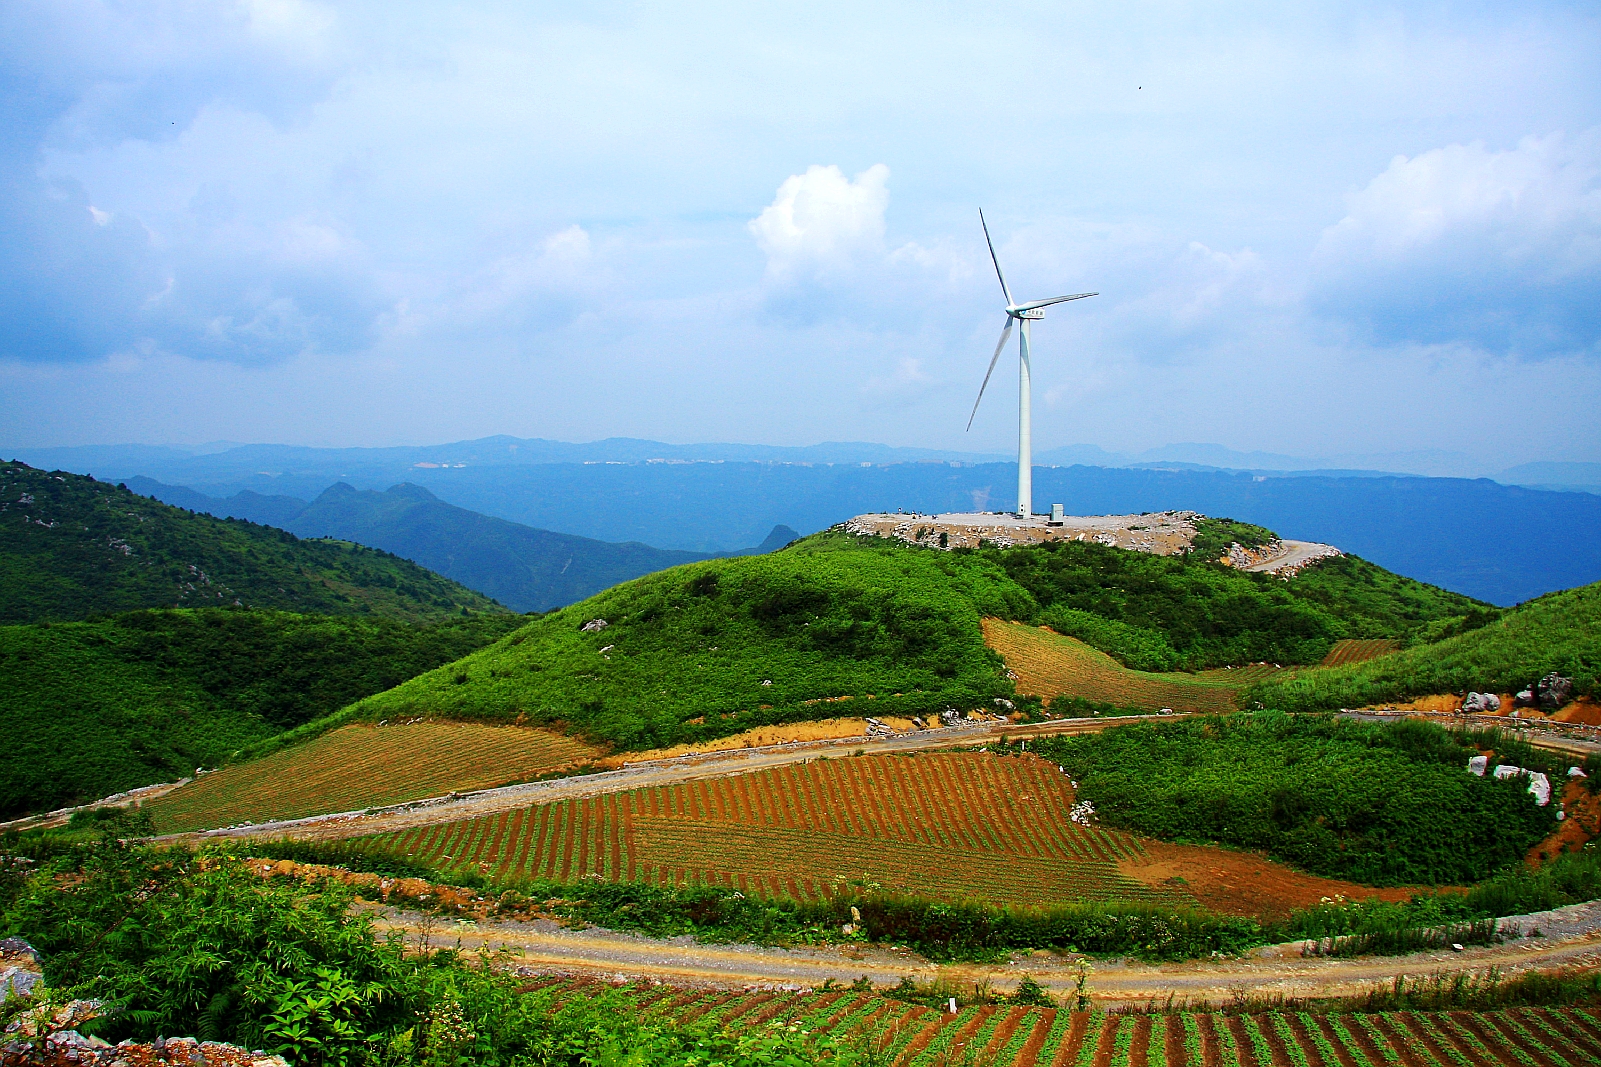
pixel 1161 533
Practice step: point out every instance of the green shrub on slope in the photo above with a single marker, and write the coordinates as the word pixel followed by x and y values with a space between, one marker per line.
pixel 712 648
pixel 72 547
pixel 1210 615
pixel 1557 632
pixel 1388 804
pixel 93 708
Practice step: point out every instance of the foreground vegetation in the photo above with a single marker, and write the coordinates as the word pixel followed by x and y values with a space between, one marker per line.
pixel 93 708
pixel 1381 804
pixel 1558 632
pixel 72 547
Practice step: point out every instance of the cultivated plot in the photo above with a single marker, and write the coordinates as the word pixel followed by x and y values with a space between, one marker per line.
pixel 363 766
pixel 911 1035
pixel 950 825
pixel 1049 665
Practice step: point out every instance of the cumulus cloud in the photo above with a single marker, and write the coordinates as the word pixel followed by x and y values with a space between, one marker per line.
pixel 1500 250
pixel 821 220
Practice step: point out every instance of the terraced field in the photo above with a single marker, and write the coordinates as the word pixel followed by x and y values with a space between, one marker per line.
pixel 910 1035
pixel 952 825
pixel 1348 651
pixel 1049 665
pixel 362 766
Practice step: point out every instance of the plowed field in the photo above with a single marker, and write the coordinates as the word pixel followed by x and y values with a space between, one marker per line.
pixel 1345 652
pixel 366 766
pixel 950 825
pixel 1014 1036
pixel 1048 664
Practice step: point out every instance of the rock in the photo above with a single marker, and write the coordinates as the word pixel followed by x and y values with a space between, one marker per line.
pixel 1457 948
pixel 1481 704
pixel 1540 787
pixel 1554 691
pixel 1525 698
pixel 1478 764
pixel 1577 772
pixel 594 626
pixel 18 981
pixel 1506 770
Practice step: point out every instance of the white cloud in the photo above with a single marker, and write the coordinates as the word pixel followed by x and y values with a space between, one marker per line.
pixel 1462 243
pixel 821 220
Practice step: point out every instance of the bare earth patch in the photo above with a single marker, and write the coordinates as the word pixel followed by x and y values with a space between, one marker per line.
pixel 1241 883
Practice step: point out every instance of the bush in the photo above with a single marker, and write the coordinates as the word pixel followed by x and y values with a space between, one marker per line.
pixel 1384 804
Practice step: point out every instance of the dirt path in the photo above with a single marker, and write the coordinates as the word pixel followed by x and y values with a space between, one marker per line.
pixel 1291 557
pixel 642 775
pixel 1570 938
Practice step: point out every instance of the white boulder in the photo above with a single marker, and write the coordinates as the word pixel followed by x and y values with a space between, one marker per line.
pixel 1540 786
pixel 1478 764
pixel 1506 770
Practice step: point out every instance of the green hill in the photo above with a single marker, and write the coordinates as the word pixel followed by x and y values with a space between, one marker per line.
pixel 93 708
pixel 72 547
pixel 1558 632
pixel 713 648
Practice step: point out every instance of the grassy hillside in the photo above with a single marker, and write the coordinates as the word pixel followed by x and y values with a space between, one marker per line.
pixel 92 708
pixel 72 547
pixel 1163 613
pixel 1558 632
pixel 713 648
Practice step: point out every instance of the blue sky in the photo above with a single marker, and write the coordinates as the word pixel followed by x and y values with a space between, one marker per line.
pixel 1316 228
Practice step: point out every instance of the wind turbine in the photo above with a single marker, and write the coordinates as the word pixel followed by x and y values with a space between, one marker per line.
pixel 1025 313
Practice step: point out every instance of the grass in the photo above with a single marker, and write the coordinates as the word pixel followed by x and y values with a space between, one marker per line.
pixel 1052 665
pixel 1558 632
pixel 1348 651
pixel 93 708
pixel 365 766
pixel 710 649
pixel 1378 804
pixel 72 547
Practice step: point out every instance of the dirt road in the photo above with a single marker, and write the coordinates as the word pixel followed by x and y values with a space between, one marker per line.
pixel 1569 937
pixel 646 774
pixel 1290 556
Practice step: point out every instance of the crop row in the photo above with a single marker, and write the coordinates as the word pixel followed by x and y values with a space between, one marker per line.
pixel 365 766
pixel 1014 1036
pixel 950 825
pixel 1352 651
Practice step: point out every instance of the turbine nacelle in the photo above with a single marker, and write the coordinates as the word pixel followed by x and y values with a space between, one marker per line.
pixel 1026 313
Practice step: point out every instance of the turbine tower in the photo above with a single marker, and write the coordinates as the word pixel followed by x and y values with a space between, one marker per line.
pixel 1025 313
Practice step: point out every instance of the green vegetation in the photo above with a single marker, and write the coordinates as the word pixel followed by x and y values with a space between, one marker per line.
pixel 72 547
pixel 1387 804
pixel 176 946
pixel 712 648
pixel 1557 632
pixel 93 708
pixel 1161 613
pixel 1214 536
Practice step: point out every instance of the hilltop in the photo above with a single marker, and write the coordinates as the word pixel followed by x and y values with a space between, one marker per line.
pixel 72 547
pixel 840 624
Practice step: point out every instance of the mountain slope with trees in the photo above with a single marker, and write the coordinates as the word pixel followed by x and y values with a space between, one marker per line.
pixel 72 547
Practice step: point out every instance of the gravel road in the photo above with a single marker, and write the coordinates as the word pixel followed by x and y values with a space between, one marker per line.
pixel 1568 937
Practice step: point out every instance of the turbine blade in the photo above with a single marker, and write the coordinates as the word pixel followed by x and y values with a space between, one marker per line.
pixel 1007 292
pixel 1032 304
pixel 1005 335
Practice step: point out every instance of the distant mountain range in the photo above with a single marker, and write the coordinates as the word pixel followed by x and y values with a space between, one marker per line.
pixel 304 472
pixel 525 568
pixel 1497 542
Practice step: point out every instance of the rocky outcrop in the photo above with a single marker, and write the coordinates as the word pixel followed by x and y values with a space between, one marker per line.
pixel 1481 704
pixel 1553 691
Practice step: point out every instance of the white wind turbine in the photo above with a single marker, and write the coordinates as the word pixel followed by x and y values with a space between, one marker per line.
pixel 1025 313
